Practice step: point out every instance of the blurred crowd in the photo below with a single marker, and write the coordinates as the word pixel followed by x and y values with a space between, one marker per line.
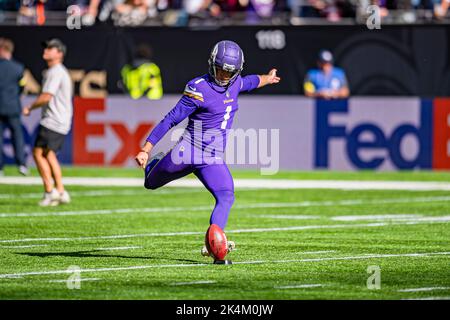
pixel 178 12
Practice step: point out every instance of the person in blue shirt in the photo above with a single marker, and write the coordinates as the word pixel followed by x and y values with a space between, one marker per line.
pixel 10 108
pixel 328 81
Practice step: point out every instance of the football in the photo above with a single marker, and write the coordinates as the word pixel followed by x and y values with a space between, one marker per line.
pixel 216 242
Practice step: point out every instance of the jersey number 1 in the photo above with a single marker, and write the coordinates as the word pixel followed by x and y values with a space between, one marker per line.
pixel 226 117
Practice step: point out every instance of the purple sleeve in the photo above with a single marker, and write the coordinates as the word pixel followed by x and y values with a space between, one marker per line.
pixel 182 109
pixel 249 82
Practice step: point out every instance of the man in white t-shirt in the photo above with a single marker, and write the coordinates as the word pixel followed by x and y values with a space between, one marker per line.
pixel 56 103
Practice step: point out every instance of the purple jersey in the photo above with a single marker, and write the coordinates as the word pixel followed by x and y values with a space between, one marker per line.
pixel 210 108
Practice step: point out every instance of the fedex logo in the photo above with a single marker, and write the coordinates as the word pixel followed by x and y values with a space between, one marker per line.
pixel 107 140
pixel 375 134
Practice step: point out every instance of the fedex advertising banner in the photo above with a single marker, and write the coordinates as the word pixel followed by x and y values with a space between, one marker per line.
pixel 299 133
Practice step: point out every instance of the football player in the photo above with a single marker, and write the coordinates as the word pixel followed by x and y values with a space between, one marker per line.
pixel 210 102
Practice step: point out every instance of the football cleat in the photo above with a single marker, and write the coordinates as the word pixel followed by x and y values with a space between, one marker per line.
pixel 230 246
pixel 205 252
pixel 152 162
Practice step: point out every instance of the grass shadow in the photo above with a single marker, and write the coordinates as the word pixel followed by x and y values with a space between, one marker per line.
pixel 95 254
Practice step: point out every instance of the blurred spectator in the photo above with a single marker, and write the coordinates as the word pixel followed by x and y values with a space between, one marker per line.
pixel 88 9
pixel 440 10
pixel 230 5
pixel 142 77
pixel 328 81
pixel 197 10
pixel 10 108
pixel 32 12
pixel 181 12
pixel 133 12
pixel 258 9
pixel 199 7
pixel 332 10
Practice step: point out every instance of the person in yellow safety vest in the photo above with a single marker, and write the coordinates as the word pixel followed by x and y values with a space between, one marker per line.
pixel 142 77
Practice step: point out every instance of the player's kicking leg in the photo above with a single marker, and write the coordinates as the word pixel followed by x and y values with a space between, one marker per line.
pixel 218 180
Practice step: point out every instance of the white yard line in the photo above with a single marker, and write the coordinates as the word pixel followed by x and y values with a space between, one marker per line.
pixel 393 217
pixel 81 279
pixel 254 230
pixel 424 289
pixel 386 217
pixel 376 217
pixel 430 298
pixel 285 216
pixel 299 286
pixel 118 248
pixel 66 271
pixel 26 246
pixel 193 282
pixel 248 183
pixel 348 202
pixel 97 193
pixel 316 252
pixel 37 273
pixel 104 211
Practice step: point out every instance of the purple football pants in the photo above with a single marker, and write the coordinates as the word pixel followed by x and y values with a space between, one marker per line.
pixel 215 177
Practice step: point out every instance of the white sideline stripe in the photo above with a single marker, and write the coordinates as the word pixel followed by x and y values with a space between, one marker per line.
pixel 376 217
pixel 26 246
pixel 169 234
pixel 285 216
pixel 424 289
pixel 248 183
pixel 95 193
pixel 347 258
pixel 349 202
pixel 120 236
pixel 430 298
pixel 392 217
pixel 105 211
pixel 315 252
pixel 37 273
pixel 81 279
pixel 300 286
pixel 118 248
pixel 193 282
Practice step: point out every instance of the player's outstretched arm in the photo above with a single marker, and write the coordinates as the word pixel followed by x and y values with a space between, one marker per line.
pixel 270 78
pixel 181 111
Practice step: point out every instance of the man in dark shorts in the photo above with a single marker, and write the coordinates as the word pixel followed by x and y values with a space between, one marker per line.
pixel 56 103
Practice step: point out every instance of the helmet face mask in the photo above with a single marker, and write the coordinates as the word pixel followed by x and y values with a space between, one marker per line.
pixel 222 76
pixel 228 57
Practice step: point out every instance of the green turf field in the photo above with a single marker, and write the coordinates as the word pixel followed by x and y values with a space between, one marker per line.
pixel 131 243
